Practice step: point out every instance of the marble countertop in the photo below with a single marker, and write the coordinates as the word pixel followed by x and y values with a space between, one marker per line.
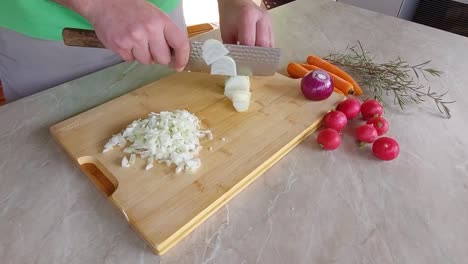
pixel 313 206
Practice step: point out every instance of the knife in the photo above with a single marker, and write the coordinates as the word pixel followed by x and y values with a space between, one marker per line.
pixel 250 60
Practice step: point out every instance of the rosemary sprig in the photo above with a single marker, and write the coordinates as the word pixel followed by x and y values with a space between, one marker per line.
pixel 395 77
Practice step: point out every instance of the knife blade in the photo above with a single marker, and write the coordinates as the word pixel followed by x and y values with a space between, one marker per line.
pixel 250 60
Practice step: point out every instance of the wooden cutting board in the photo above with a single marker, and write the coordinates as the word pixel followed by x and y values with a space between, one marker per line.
pixel 161 205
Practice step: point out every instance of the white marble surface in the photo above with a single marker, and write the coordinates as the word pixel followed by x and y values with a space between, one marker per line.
pixel 312 207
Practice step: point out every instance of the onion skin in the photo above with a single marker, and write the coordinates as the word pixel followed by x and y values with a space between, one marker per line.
pixel 317 85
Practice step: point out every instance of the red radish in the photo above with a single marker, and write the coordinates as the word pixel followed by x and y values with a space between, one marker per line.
pixel 380 124
pixel 366 134
pixel 386 148
pixel 335 120
pixel 371 108
pixel 350 107
pixel 329 139
pixel 317 85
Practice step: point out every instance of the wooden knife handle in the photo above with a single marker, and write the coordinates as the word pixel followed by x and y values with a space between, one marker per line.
pixel 81 38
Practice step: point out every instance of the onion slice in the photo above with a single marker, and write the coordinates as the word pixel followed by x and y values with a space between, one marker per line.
pixel 241 100
pixel 213 50
pixel 236 83
pixel 224 66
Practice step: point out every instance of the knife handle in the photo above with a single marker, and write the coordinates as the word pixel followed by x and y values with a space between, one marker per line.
pixel 81 38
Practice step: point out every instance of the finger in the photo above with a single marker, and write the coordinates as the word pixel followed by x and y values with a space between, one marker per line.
pixel 141 53
pixel 120 47
pixel 262 38
pixel 229 37
pixel 247 31
pixel 159 49
pixel 126 55
pixel 178 41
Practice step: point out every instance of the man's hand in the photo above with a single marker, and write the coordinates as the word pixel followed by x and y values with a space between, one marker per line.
pixel 135 29
pixel 244 22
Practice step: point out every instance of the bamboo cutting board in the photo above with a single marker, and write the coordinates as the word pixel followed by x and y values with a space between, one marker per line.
pixel 161 205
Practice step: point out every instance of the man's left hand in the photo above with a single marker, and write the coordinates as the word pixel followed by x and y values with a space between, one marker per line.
pixel 243 22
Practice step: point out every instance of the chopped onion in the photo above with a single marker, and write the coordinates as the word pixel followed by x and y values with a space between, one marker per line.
pixel 166 137
pixel 212 50
pixel 132 159
pixel 125 162
pixel 224 66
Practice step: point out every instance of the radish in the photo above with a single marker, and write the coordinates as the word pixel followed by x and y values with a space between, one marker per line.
pixel 335 120
pixel 329 139
pixel 366 134
pixel 371 108
pixel 380 124
pixel 350 107
pixel 386 148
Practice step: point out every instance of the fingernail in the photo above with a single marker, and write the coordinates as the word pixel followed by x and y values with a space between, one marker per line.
pixel 179 69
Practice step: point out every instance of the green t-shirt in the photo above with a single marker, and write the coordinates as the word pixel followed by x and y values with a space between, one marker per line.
pixel 45 19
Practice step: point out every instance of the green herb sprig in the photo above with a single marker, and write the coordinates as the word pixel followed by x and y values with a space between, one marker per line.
pixel 396 77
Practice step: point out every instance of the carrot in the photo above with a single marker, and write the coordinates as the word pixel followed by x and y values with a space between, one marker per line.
pixel 295 70
pixel 339 83
pixel 327 66
pixel 338 91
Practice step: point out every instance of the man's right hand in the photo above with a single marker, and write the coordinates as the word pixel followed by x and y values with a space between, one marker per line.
pixel 138 30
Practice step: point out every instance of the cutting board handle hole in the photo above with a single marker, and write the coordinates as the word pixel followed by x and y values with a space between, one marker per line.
pixel 107 184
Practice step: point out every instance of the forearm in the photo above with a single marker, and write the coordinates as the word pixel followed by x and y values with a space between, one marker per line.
pixel 258 2
pixel 228 2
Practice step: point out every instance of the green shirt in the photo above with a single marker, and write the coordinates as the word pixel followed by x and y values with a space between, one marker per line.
pixel 45 19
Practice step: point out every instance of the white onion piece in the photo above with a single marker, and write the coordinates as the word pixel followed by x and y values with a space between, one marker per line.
pixel 241 100
pixel 132 159
pixel 240 96
pixel 241 106
pixel 149 163
pixel 224 66
pixel 166 137
pixel 236 83
pixel 212 50
pixel 125 162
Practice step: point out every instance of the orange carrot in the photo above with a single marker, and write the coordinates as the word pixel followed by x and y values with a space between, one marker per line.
pixel 327 66
pixel 338 91
pixel 338 82
pixel 295 70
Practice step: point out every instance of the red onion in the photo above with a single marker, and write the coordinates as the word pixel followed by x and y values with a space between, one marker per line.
pixel 317 85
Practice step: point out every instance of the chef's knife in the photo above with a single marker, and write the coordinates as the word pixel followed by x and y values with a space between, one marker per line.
pixel 258 61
